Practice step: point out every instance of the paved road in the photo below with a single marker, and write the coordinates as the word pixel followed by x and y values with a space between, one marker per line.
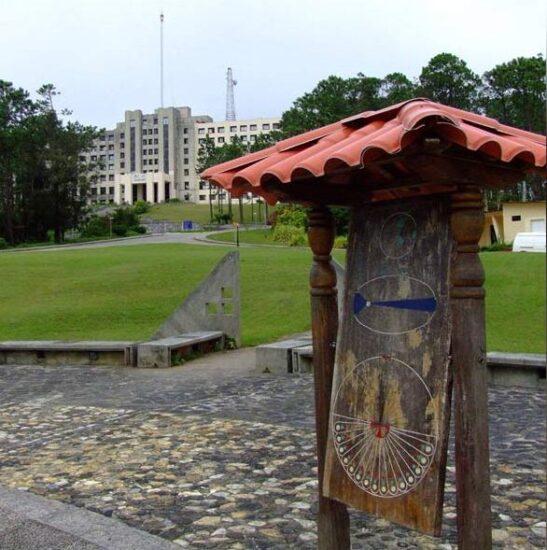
pixel 213 455
pixel 165 238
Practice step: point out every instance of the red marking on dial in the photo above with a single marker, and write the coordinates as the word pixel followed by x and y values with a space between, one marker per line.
pixel 381 429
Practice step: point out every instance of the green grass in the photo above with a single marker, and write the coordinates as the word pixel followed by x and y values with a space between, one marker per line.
pixel 123 293
pixel 515 301
pixel 200 213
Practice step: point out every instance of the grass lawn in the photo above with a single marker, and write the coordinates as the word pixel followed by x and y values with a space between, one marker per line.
pixel 126 292
pixel 200 213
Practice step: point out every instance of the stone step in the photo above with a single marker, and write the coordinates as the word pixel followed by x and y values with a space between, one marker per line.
pixel 62 352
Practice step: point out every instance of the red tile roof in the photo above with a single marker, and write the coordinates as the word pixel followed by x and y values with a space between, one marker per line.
pixel 355 143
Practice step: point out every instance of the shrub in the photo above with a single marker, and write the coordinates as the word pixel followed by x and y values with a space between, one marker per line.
pixel 291 214
pixel 497 247
pixel 96 226
pixel 125 215
pixel 140 229
pixel 119 230
pixel 289 235
pixel 223 217
pixel 174 200
pixel 3 243
pixel 141 207
pixel 341 242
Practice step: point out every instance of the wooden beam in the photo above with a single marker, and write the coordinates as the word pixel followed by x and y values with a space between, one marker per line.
pixel 333 519
pixel 470 375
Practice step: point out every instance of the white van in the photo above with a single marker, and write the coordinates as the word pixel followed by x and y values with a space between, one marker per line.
pixel 529 242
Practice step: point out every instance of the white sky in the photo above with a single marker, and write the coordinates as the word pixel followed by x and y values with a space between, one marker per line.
pixel 103 55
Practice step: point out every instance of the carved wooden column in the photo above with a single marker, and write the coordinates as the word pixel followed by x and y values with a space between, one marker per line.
pixel 333 519
pixel 470 374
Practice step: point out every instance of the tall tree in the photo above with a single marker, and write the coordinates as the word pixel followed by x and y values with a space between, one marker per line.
pixel 447 79
pixel 43 179
pixel 395 88
pixel 515 93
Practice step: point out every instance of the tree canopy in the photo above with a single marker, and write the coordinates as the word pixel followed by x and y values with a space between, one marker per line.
pixel 43 177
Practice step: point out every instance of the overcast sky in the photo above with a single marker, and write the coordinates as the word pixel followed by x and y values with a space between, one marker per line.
pixel 103 55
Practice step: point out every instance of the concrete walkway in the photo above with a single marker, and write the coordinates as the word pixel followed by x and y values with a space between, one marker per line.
pixel 214 455
pixel 32 522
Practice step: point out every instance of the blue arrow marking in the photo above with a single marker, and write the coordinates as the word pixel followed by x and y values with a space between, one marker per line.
pixel 416 304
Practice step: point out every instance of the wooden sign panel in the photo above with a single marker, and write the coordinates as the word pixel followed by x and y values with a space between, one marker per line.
pixel 390 408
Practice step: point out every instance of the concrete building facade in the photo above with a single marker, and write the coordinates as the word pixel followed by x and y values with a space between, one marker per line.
pixel 153 157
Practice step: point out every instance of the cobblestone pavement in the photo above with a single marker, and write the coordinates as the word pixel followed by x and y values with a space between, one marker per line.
pixel 212 457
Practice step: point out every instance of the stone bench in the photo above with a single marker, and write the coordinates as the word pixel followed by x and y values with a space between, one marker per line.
pixel 61 352
pixel 165 352
pixel 516 369
pixel 276 358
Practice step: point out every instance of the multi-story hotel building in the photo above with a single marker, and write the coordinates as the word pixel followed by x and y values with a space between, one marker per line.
pixel 153 157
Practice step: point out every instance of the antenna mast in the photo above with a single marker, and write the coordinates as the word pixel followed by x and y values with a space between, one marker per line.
pixel 230 102
pixel 161 59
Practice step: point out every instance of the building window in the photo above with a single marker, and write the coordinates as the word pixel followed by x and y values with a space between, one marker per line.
pixel 221 140
pixel 186 186
pixel 185 161
pixel 132 123
pixel 243 138
pixel 155 141
pixel 156 151
pixel 149 142
pixel 165 121
pixel 144 142
pixel 185 150
pixel 155 130
pixel 201 131
pixel 185 131
pixel 144 162
pixel 253 137
pixel 233 128
pixel 185 141
pixel 122 135
pixel 243 128
pixel 150 151
pixel 155 121
pixel 101 148
pixel 220 129
pixel 111 147
pixel 122 164
pixel 111 190
pixel 202 197
pixel 110 157
pixel 122 145
pixel 201 141
pixel 111 167
pixel 186 172
pixel 265 126
pixel 515 218
pixel 111 178
pixel 93 157
pixel 210 130
pixel 252 127
pixel 122 155
pixel 275 125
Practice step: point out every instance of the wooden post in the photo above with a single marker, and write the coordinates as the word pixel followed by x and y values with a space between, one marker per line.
pixel 470 374
pixel 333 519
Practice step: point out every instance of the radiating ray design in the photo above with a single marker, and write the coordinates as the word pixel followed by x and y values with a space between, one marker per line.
pixel 382 450
pixel 417 304
pixel 380 458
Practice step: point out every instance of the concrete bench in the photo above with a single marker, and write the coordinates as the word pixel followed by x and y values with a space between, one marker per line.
pixel 516 369
pixel 302 359
pixel 276 358
pixel 161 353
pixel 61 352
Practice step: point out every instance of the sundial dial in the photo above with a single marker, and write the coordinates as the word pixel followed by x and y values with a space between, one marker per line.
pixel 386 452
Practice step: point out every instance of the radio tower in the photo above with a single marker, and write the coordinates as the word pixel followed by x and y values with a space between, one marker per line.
pixel 230 102
pixel 161 59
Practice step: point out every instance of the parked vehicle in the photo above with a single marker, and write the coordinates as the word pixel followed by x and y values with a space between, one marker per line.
pixel 529 242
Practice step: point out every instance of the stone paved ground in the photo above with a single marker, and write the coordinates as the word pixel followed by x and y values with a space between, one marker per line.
pixel 212 457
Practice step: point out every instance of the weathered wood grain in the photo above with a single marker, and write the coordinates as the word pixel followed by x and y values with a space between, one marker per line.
pixel 470 376
pixel 332 519
pixel 386 451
